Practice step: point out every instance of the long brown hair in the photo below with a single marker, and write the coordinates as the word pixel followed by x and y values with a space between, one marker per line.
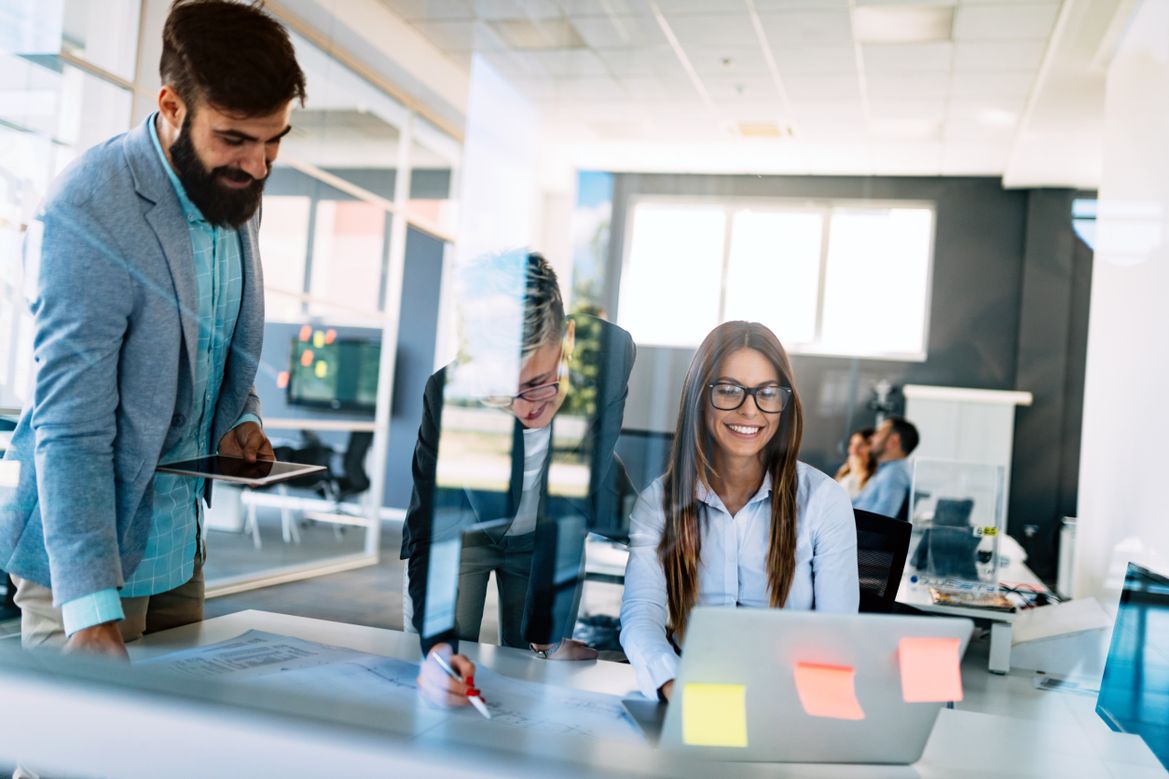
pixel 691 460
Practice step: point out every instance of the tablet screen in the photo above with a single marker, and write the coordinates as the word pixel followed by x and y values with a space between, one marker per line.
pixel 236 468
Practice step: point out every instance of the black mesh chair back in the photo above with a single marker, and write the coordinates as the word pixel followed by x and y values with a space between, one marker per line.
pixel 882 544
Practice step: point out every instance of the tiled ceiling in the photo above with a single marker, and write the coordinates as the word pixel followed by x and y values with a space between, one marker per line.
pixel 951 76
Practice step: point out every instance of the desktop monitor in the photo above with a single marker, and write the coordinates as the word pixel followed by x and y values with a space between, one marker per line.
pixel 1134 694
pixel 342 374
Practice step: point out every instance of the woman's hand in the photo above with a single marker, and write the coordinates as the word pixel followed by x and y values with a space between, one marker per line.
pixel 436 686
pixel 568 649
pixel 667 690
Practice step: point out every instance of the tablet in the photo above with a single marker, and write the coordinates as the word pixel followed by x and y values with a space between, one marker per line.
pixel 239 471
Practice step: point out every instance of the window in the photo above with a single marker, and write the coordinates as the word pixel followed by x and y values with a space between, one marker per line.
pixel 829 278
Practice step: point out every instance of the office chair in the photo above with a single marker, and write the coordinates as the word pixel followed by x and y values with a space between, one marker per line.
pixel 882 544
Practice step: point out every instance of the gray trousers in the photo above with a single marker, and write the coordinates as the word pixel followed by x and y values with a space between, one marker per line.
pixel 511 560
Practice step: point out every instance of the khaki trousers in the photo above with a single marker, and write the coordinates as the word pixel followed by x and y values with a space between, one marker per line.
pixel 41 624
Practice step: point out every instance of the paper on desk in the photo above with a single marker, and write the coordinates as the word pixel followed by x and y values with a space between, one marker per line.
pixel 828 691
pixel 930 670
pixel 1060 619
pixel 334 673
pixel 714 715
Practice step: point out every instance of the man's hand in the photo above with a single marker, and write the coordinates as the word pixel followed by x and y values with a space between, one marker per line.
pixel 436 686
pixel 247 441
pixel 104 639
pixel 667 690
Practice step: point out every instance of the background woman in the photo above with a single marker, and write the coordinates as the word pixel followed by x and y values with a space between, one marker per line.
pixel 856 471
pixel 736 520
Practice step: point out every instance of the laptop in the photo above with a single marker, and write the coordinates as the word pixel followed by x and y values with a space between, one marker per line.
pixel 758 648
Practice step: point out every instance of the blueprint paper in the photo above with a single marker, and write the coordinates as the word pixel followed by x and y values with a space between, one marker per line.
pixel 268 660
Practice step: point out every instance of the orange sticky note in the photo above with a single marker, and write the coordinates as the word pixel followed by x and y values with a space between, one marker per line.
pixel 828 691
pixel 930 669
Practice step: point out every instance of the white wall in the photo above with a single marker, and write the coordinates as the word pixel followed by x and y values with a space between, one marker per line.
pixel 1124 495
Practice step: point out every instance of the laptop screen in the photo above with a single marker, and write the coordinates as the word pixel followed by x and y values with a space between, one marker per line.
pixel 1134 694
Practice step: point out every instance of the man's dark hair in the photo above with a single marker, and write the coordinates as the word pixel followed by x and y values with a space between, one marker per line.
pixel 230 55
pixel 907 432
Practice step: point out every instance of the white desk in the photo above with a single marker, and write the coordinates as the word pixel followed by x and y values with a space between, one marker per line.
pixel 917 595
pixel 298 423
pixel 1071 742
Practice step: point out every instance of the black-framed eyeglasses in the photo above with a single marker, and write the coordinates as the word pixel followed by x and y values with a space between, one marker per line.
pixel 532 395
pixel 770 398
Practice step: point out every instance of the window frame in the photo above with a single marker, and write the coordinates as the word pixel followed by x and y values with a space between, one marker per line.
pixel 823 206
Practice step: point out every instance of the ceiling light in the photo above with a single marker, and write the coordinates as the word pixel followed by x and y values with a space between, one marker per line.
pixel 538 34
pixel 762 130
pixel 902 24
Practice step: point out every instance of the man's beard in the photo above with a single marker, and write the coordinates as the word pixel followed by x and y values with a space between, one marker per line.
pixel 219 205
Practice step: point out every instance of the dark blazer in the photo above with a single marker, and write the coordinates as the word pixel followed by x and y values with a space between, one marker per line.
pixel 613 351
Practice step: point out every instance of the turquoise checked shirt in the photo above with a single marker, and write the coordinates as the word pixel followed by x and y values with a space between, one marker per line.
pixel 170 550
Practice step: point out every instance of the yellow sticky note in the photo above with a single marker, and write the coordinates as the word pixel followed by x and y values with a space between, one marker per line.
pixel 321 369
pixel 714 715
pixel 930 669
pixel 319 339
pixel 828 691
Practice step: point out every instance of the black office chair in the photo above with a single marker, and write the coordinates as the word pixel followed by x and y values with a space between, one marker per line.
pixel 882 544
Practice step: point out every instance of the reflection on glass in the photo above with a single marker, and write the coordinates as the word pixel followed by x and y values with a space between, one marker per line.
pixel 349 255
pixel 104 34
pixel 526 473
pixel 284 242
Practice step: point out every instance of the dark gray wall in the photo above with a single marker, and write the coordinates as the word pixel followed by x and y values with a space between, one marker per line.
pixel 1008 311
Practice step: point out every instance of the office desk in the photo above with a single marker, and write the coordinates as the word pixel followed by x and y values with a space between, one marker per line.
pixel 1071 743
pixel 918 596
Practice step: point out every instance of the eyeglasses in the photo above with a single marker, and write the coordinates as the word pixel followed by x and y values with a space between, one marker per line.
pixel 770 398
pixel 533 395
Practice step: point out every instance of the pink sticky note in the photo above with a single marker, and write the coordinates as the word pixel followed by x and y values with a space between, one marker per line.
pixel 828 691
pixel 930 669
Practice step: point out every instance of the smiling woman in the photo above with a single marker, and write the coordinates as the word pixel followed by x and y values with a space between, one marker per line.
pixel 736 520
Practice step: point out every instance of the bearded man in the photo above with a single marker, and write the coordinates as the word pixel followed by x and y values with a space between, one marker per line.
pixel 144 279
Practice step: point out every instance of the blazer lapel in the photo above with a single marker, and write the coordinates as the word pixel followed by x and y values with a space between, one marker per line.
pixel 165 218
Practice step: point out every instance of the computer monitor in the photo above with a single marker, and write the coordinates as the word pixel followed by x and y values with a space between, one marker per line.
pixel 1134 694
pixel 342 374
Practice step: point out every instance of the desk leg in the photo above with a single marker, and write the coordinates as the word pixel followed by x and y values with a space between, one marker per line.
pixel 1000 647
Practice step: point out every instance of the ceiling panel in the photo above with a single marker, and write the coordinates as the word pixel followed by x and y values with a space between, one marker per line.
pixel 1017 55
pixel 806 29
pixel 605 32
pixel 819 60
pixel 1008 84
pixel 605 7
pixel 740 89
pixel 657 61
pixel 899 58
pixel 651 89
pixel 908 86
pixel 1015 21
pixel 713 29
pixel 834 87
pixel 517 9
pixel 727 61
pixel 431 9
pixel 900 108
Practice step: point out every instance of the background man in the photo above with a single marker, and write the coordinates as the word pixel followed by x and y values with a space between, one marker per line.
pixel 888 490
pixel 147 293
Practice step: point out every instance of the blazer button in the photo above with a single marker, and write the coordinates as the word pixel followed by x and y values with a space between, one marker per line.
pixel 178 420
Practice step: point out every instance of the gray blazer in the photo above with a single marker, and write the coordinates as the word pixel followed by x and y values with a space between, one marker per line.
pixel 110 275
